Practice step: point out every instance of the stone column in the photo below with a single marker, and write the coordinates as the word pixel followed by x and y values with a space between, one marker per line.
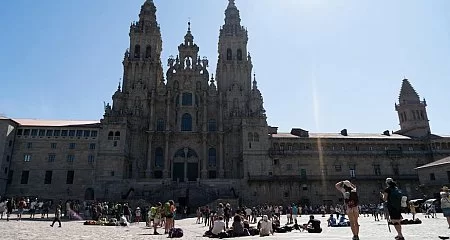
pixel 205 158
pixel 149 155
pixel 167 166
pixel 221 158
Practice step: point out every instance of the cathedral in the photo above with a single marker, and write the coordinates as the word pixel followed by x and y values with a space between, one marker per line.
pixel 195 137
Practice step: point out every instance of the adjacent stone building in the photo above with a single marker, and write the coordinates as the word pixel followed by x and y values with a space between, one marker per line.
pixel 188 136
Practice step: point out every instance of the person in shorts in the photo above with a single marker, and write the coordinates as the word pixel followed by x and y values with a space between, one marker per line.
pixel 351 201
pixel 395 213
pixel 445 203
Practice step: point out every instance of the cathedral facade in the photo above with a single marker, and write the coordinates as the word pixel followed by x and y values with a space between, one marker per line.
pixel 186 135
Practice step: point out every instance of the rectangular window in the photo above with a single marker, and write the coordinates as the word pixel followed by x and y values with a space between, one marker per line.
pixel 92 146
pixel 288 167
pixel 303 173
pixel 79 133
pixel 377 170
pixel 432 177
pixel 448 176
pixel 24 178
pixel 352 173
pixel 41 132
pixel 160 125
pixel 86 133
pixel 112 173
pixel 186 99
pixel 6 170
pixel 19 132
pixel 26 132
pixel 72 145
pixel 34 132
pixel 53 145
pixel 27 157
pixel 10 177
pixel 212 126
pixel 70 158
pixel 115 144
pixel 29 145
pixel 71 133
pixel 51 157
pixel 69 178
pixel 91 159
pixel 56 133
pixel 276 161
pixel 48 177
pixel 64 133
pixel 338 168
pixel 93 133
pixel 49 133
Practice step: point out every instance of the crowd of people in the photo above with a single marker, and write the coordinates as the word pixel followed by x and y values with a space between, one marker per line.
pixel 225 221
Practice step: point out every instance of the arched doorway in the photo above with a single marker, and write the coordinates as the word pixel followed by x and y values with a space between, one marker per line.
pixel 89 194
pixel 185 165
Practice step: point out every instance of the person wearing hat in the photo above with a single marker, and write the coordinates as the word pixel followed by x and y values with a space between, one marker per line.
pixel 395 213
pixel 445 203
pixel 351 200
pixel 137 215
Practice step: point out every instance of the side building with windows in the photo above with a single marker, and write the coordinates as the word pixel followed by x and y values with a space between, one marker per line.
pixel 53 159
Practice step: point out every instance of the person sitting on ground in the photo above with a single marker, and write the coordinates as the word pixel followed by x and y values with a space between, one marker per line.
pixel 238 227
pixel 313 225
pixel 265 226
pixel 331 221
pixel 343 221
pixel 218 227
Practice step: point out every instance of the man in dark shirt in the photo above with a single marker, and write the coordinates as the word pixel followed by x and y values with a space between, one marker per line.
pixel 313 225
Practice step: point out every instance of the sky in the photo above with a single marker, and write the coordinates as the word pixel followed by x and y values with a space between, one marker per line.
pixel 321 65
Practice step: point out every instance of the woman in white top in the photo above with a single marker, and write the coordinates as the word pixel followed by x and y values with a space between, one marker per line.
pixel 218 227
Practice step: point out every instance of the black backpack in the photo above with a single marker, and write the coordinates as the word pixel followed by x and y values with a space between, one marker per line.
pixel 175 233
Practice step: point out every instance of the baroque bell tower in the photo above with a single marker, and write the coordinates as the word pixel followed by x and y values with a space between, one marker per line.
pixel 412 113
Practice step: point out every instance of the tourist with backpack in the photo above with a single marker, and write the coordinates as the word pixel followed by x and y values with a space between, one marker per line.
pixel 394 199
pixel 351 200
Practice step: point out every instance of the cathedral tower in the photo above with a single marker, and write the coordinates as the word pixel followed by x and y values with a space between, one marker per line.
pixel 412 113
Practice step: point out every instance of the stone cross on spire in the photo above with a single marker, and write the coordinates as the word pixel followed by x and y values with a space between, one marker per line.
pixel 231 4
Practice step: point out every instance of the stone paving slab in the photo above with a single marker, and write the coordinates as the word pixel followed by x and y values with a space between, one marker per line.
pixel 370 230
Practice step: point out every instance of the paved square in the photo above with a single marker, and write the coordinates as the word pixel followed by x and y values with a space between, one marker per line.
pixel 370 230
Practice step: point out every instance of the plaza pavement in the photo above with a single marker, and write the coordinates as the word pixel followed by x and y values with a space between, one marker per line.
pixel 370 230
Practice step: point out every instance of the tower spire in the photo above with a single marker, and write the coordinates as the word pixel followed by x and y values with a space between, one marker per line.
pixel 232 16
pixel 407 93
pixel 148 12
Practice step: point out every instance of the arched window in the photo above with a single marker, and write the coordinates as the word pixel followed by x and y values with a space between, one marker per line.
pixel 212 126
pixel 148 52
pixel 239 54
pixel 137 51
pixel 186 122
pixel 212 157
pixel 255 137
pixel 250 137
pixel 110 135
pixel 159 157
pixel 229 54
pixel 186 99
pixel 160 125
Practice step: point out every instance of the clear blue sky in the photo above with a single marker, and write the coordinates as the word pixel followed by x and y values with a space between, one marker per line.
pixel 321 65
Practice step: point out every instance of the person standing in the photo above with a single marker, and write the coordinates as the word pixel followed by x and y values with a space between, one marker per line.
pixel 392 196
pixel 351 201
pixel 57 216
pixel 445 203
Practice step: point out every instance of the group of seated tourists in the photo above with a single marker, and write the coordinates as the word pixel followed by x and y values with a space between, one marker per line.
pixel 343 222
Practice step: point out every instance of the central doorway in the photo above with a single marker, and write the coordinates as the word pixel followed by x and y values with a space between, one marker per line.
pixel 185 165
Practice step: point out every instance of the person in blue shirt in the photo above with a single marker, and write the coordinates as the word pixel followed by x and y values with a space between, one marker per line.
pixel 331 221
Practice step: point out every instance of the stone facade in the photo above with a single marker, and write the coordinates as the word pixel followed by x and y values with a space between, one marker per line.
pixel 188 136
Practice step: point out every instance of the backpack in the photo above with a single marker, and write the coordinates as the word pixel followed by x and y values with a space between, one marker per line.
pixel 175 233
pixel 396 198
